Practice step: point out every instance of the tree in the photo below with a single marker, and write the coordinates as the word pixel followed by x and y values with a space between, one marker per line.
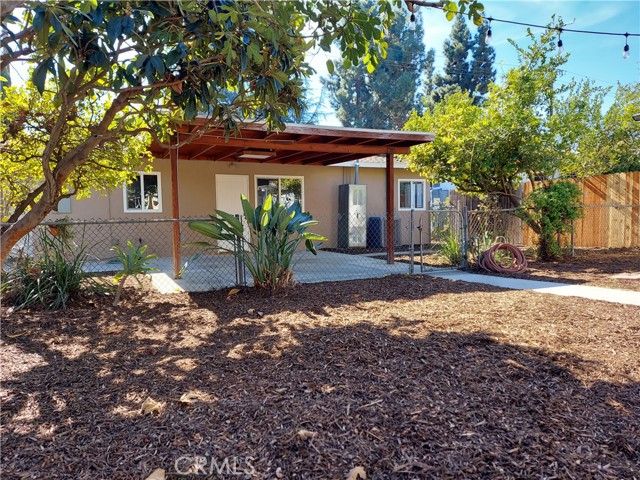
pixel 429 70
pixel 157 63
pixel 311 110
pixel 613 145
pixel 28 118
pixel 481 70
pixel 551 209
pixel 362 97
pixel 456 74
pixel 529 127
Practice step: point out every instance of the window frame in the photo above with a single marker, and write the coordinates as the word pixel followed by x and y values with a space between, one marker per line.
pixel 125 197
pixel 257 177
pixel 413 181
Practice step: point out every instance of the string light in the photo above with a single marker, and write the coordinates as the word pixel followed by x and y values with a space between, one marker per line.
pixel 625 50
pixel 487 38
pixel 413 5
pixel 560 44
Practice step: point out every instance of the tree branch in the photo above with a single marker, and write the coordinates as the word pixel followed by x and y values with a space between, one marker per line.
pixel 26 203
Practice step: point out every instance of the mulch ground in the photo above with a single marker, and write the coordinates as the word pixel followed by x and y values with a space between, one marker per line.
pixel 407 377
pixel 600 268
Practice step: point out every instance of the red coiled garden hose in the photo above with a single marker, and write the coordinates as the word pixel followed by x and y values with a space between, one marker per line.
pixel 487 260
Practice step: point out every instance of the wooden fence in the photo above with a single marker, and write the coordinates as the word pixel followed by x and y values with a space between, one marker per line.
pixel 611 215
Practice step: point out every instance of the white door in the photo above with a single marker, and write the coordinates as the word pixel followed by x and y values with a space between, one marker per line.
pixel 228 191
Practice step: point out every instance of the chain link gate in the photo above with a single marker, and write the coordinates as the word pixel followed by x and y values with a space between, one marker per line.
pixel 441 239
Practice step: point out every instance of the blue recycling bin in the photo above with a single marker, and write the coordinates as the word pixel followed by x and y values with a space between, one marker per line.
pixel 375 232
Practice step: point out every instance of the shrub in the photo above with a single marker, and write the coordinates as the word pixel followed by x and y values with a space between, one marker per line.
pixel 134 263
pixel 549 211
pixel 275 232
pixel 451 248
pixel 51 279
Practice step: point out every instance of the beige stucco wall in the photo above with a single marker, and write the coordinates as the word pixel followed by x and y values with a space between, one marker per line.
pixel 197 197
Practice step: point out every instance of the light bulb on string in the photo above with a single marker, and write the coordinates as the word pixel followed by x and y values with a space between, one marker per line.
pixel 412 22
pixel 625 50
pixel 560 44
pixel 487 38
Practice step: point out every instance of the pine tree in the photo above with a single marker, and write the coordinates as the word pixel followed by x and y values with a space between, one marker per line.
pixel 312 110
pixel 482 71
pixel 385 97
pixel 429 71
pixel 457 66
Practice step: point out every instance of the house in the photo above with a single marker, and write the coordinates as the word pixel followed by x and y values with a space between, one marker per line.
pixel 306 163
pixel 440 193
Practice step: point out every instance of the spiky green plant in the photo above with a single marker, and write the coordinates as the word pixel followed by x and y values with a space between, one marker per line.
pixel 451 248
pixel 134 263
pixel 50 279
pixel 275 231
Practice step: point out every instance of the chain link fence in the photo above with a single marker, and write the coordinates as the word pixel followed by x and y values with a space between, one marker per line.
pixel 356 248
pixel 600 226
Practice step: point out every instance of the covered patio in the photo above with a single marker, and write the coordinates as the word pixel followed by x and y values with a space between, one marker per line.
pixel 296 145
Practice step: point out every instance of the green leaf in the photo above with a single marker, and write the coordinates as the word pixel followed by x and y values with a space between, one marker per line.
pixel 114 29
pixel 158 64
pixel 330 67
pixel 268 203
pixel 314 237
pixel 205 228
pixel 248 210
pixel 232 221
pixel 40 75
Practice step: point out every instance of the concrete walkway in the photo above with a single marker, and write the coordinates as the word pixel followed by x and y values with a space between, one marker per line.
pixel 627 297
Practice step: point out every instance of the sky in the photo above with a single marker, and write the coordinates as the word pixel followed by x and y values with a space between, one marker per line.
pixel 595 57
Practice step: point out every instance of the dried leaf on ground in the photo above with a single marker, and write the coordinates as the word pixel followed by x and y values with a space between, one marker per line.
pixel 232 292
pixel 357 473
pixel 157 474
pixel 151 406
pixel 190 397
pixel 306 434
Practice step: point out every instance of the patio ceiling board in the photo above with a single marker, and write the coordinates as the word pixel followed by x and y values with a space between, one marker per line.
pixel 304 159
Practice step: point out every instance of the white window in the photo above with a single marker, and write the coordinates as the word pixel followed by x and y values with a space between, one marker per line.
pixel 143 194
pixel 411 194
pixel 285 190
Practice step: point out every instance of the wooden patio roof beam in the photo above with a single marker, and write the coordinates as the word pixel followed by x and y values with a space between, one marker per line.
pixel 300 147
pixel 327 131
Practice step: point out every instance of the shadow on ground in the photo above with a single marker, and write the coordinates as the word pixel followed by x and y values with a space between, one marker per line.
pixel 400 398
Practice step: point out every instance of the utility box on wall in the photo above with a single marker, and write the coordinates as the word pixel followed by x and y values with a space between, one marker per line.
pixel 352 216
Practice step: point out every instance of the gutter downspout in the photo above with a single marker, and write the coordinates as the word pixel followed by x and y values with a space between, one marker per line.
pixel 355 177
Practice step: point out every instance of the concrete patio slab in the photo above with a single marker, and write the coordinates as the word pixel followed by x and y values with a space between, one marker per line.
pixel 213 272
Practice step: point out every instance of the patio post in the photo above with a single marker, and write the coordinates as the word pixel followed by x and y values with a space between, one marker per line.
pixel 390 209
pixel 175 209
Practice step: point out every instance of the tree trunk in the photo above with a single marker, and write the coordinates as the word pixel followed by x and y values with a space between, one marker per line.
pixel 116 300
pixel 545 250
pixel 27 223
pixel 54 180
